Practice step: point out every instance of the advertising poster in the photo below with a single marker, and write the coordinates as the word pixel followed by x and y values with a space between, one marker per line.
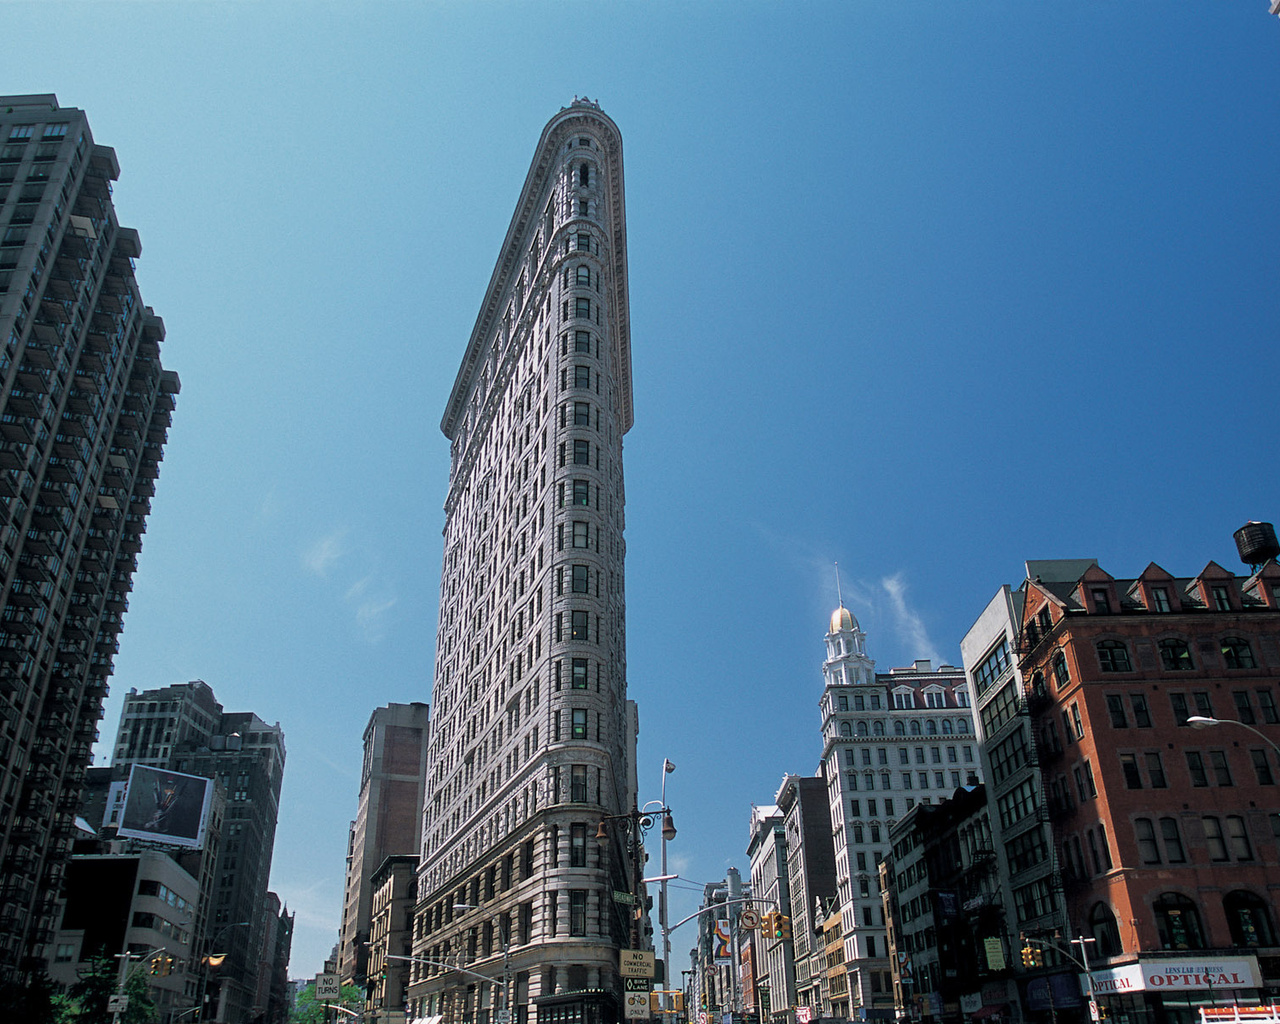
pixel 165 807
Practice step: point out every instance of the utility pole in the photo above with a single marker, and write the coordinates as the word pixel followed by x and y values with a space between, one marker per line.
pixel 731 908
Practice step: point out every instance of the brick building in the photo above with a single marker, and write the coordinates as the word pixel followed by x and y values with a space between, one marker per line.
pixel 386 822
pixel 1166 835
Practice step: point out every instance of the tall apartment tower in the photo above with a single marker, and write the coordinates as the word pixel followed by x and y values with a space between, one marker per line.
pixel 386 825
pixel 533 738
pixel 84 406
pixel 889 740
pixel 183 728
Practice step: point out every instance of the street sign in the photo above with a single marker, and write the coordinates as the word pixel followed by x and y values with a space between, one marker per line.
pixel 636 984
pixel 749 919
pixel 117 1004
pixel 504 1016
pixel 635 963
pixel 636 1005
pixel 1093 1010
pixel 625 897
pixel 327 987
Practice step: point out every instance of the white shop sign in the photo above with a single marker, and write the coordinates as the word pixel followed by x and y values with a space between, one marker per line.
pixel 1180 973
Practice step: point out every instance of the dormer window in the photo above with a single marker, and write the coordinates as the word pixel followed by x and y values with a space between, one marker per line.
pixel 1221 598
pixel 1101 601
pixel 1160 599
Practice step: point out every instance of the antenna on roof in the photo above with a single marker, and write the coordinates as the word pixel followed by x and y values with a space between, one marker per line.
pixel 839 596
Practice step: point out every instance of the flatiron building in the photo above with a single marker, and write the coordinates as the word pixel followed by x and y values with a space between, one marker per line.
pixel 84 409
pixel 533 738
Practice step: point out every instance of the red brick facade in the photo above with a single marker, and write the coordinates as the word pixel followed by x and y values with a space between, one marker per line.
pixel 1167 835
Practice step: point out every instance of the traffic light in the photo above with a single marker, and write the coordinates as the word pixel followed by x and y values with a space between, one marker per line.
pixel 1037 957
pixel 154 967
pixel 1102 1011
pixel 784 927
pixel 766 923
pixel 1028 956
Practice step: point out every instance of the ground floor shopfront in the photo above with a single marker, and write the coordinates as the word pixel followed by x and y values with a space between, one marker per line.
pixel 1173 990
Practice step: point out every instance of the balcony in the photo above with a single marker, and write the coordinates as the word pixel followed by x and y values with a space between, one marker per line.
pixel 128 243
pixel 75 247
pixel 37 357
pixel 33 571
pixel 31 379
pixel 95 188
pixel 18 431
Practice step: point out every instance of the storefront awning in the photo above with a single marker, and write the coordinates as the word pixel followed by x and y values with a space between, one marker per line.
pixel 983 1012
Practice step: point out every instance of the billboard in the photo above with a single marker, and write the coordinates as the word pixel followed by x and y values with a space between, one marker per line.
pixel 165 807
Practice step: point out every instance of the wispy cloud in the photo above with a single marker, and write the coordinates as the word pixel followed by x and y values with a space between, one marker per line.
pixel 906 620
pixel 321 556
pixel 371 601
pixel 370 598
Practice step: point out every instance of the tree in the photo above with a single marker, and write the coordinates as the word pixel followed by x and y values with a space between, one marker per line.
pixel 98 983
pixel 308 1011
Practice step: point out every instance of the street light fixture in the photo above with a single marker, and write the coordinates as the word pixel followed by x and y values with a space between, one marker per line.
pixel 1205 722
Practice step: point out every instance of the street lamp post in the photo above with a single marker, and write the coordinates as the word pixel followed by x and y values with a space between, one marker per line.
pixel 640 822
pixel 213 959
pixel 667 768
pixel 504 933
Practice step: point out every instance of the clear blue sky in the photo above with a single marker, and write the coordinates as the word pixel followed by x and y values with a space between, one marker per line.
pixel 925 288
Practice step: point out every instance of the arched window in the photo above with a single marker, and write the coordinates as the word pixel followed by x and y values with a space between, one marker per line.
pixel 962 725
pixel 1102 925
pixel 931 727
pixel 877 728
pixel 584 274
pixel 1178 922
pixel 915 727
pixel 584 174
pixel 1037 685
pixel 1175 655
pixel 1237 653
pixel 899 729
pixel 862 728
pixel 1249 919
pixel 1113 656
pixel 846 729
pixel 948 727
pixel 1060 674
